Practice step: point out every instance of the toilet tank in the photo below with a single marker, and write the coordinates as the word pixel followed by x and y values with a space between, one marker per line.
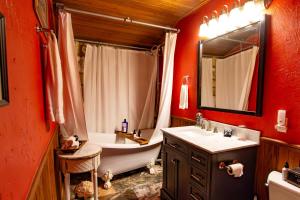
pixel 280 189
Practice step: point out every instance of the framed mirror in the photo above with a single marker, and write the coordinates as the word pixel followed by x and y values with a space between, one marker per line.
pixel 4 99
pixel 231 71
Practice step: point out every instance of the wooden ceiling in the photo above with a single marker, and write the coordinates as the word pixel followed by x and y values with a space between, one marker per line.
pixel 160 12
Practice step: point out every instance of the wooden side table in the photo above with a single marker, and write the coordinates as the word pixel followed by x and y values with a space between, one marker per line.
pixel 87 158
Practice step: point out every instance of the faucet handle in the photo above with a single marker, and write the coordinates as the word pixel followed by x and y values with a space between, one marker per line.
pixel 208 126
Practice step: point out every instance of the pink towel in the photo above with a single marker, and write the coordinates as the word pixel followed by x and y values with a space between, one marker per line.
pixel 54 82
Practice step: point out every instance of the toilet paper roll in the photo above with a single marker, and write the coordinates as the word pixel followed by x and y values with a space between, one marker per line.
pixel 235 170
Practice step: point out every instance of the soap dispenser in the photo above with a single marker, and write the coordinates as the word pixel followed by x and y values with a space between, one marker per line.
pixel 285 170
pixel 124 126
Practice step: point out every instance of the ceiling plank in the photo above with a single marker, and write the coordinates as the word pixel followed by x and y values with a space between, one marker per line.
pixel 163 12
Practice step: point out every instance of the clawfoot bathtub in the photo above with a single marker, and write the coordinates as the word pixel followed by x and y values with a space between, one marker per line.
pixel 121 155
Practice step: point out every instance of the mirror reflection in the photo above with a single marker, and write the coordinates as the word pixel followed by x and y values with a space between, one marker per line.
pixel 229 67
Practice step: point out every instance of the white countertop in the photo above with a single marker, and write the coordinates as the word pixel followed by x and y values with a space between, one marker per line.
pixel 213 142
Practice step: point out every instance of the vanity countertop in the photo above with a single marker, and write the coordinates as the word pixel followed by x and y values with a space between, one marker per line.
pixel 215 142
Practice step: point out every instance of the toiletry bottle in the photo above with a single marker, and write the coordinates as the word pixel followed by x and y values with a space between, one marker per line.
pixel 285 170
pixel 124 126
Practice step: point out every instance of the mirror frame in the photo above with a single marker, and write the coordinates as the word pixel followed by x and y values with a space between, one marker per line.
pixel 260 80
pixel 3 63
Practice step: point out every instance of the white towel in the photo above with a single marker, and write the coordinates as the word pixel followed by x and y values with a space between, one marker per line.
pixel 184 97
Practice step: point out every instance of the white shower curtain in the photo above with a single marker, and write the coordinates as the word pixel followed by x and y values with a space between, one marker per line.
pixel 73 104
pixel 234 78
pixel 164 113
pixel 118 84
pixel 207 98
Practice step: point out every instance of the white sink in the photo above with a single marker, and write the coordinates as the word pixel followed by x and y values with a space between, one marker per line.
pixel 216 142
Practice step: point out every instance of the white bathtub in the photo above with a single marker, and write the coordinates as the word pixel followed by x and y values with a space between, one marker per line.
pixel 122 155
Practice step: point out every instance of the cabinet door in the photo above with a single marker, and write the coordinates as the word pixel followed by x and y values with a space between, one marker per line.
pixel 176 173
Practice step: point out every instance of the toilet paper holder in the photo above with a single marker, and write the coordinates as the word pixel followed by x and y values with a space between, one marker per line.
pixel 224 164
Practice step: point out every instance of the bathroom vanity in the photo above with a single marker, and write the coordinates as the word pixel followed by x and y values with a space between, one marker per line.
pixel 191 159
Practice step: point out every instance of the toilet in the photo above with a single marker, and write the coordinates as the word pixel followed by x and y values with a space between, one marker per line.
pixel 280 189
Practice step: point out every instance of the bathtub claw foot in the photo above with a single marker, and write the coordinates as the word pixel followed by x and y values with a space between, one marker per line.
pixel 107 185
pixel 107 177
pixel 151 168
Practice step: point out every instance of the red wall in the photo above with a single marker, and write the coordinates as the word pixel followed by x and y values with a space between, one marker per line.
pixel 23 135
pixel 282 69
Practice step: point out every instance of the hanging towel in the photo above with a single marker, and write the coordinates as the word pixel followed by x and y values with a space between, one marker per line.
pixel 184 97
pixel 54 82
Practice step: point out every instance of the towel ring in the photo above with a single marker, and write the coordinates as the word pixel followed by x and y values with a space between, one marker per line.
pixel 186 80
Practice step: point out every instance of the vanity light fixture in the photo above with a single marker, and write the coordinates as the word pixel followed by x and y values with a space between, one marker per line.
pixel 203 30
pixel 238 17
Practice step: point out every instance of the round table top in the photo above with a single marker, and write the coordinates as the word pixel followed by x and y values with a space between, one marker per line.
pixel 88 150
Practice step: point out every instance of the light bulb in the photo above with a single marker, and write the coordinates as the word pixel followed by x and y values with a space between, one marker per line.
pixel 204 30
pixel 223 22
pixel 213 28
pixel 213 25
pixel 253 11
pixel 260 9
pixel 236 17
pixel 249 11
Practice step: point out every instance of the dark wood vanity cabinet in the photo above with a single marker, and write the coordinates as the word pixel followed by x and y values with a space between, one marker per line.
pixel 176 164
pixel 192 173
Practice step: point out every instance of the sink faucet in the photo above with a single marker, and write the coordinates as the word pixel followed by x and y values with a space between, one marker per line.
pixel 199 119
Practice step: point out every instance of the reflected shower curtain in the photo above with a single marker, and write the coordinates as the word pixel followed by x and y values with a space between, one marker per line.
pixel 207 98
pixel 118 84
pixel 164 113
pixel 73 104
pixel 234 78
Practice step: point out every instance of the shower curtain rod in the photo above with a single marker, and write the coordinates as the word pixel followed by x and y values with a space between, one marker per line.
pixel 113 45
pixel 125 19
